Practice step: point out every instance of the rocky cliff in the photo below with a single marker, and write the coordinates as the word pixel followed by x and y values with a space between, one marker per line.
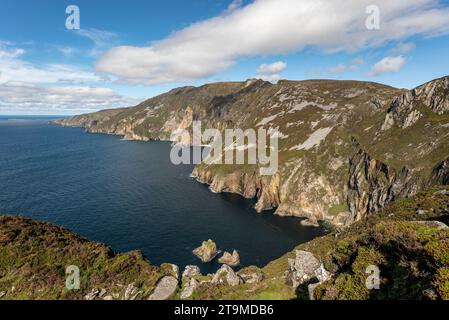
pixel 346 148
pixel 407 242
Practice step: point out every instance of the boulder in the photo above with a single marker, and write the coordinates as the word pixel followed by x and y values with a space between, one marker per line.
pixel 170 269
pixel 131 292
pixel 306 269
pixel 232 260
pixel 165 288
pixel 251 277
pixel 207 252
pixel 225 273
pixel 191 271
pixel 92 294
pixel 312 222
pixel 432 224
pixel 189 289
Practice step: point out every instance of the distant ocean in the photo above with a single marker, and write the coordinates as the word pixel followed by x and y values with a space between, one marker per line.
pixel 129 196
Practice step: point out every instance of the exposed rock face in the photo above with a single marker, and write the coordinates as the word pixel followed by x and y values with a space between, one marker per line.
pixel 373 184
pixel 312 222
pixel 317 177
pixel 440 174
pixel 191 271
pixel 226 275
pixel 249 185
pixel 189 289
pixel 165 288
pixel 231 260
pixel 405 111
pixel 306 269
pixel 207 252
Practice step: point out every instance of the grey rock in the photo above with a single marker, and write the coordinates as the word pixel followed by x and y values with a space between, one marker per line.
pixel 421 211
pixel 189 289
pixel 251 277
pixel 165 288
pixel 191 271
pixel 310 223
pixel 92 294
pixel 131 292
pixel 226 273
pixel 232 260
pixel 432 224
pixel 305 268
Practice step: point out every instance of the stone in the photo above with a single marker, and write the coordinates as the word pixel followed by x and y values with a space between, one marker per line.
pixel 2 294
pixel 92 294
pixel 306 269
pixel 131 292
pixel 310 223
pixel 207 252
pixel 165 288
pixel 251 277
pixel 189 289
pixel 226 273
pixel 191 271
pixel 432 224
pixel 231 260
pixel 421 211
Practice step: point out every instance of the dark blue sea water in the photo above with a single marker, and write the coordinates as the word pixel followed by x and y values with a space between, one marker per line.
pixel 129 196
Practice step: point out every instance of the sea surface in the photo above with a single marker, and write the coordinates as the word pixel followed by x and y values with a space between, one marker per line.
pixel 128 195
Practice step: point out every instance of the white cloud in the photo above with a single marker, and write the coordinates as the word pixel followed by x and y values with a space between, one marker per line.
pixel 27 98
pixel 275 67
pixel 53 89
pixel 14 68
pixel 234 5
pixel 271 27
pixel 387 64
pixel 271 72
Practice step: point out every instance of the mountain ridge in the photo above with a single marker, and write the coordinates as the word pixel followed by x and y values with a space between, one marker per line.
pixel 319 122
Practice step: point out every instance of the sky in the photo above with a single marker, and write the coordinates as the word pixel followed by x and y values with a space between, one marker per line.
pixel 127 51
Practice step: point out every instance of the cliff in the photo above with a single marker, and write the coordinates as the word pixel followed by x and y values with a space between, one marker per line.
pixel 346 148
pixel 407 242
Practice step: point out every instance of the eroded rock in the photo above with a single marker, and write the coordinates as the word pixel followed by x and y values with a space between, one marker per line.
pixel 232 260
pixel 207 252
pixel 306 269
pixel 189 289
pixel 226 274
pixel 191 271
pixel 165 288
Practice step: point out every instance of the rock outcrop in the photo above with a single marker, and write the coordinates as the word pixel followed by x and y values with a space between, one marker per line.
pixel 207 251
pixel 165 288
pixel 231 260
pixel 225 275
pixel 191 271
pixel 373 184
pixel 306 269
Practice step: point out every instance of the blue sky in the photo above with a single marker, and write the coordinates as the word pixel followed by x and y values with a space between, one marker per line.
pixel 128 51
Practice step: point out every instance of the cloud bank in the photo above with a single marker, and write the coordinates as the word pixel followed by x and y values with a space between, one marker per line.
pixel 271 27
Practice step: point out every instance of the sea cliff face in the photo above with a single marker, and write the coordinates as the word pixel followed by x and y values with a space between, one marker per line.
pixel 346 148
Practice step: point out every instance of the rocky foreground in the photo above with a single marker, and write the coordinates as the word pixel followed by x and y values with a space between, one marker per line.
pixel 408 241
pixel 347 148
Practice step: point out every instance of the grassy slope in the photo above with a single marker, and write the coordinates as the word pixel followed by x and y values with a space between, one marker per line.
pixel 34 256
pixel 411 257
